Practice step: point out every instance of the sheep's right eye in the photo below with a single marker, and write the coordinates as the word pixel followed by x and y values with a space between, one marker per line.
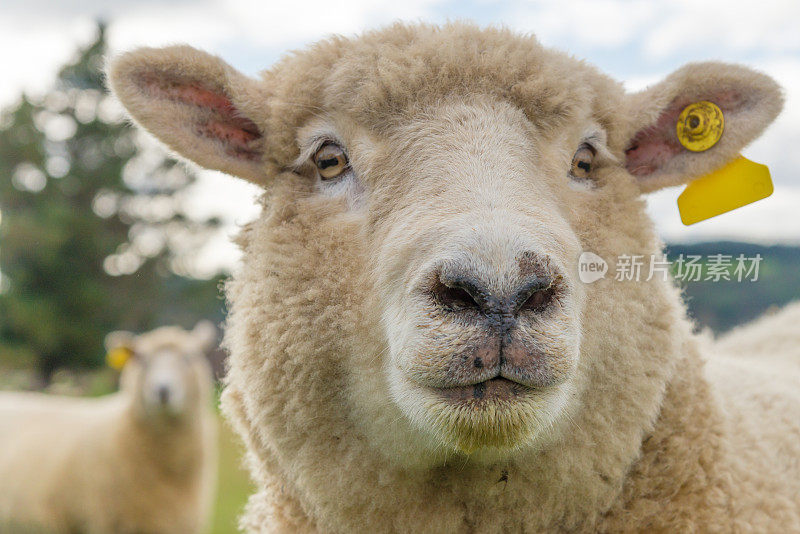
pixel 582 162
pixel 331 161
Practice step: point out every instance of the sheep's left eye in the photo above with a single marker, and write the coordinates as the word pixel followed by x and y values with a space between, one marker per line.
pixel 582 162
pixel 331 161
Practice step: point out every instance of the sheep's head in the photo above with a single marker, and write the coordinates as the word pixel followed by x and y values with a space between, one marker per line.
pixel 167 372
pixel 428 193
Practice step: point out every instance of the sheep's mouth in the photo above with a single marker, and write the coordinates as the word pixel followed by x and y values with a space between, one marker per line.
pixel 492 410
pixel 492 390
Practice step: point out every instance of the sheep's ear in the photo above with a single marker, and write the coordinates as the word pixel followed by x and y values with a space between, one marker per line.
pixel 749 102
pixel 196 104
pixel 119 340
pixel 119 349
pixel 205 333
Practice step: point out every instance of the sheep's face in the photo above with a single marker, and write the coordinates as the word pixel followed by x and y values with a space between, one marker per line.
pixel 473 260
pixel 167 374
pixel 429 192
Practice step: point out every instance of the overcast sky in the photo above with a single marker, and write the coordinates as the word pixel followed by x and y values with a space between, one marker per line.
pixel 636 41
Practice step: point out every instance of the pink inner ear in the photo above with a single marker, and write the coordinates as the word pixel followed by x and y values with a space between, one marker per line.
pixel 220 121
pixel 652 147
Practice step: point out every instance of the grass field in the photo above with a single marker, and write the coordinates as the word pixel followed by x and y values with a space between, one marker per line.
pixel 234 484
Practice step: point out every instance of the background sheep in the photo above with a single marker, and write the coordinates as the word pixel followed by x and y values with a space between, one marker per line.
pixel 142 460
pixel 411 348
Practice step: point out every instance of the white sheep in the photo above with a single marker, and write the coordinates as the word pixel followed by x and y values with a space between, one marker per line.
pixel 412 349
pixel 142 460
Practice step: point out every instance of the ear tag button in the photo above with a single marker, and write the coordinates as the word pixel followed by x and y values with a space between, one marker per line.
pixel 737 184
pixel 117 358
pixel 700 126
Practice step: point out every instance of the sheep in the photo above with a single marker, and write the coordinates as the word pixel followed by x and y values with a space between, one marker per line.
pixel 142 460
pixel 411 347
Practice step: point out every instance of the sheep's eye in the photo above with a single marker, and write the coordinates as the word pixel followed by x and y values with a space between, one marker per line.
pixel 331 161
pixel 582 162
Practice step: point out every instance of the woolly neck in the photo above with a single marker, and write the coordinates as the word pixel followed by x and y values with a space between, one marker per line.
pixel 578 482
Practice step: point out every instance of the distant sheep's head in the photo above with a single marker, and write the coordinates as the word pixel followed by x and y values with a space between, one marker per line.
pixel 167 372
pixel 428 193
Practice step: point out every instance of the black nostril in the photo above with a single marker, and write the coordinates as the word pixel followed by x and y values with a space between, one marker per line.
pixel 463 290
pixel 457 293
pixel 535 295
pixel 163 394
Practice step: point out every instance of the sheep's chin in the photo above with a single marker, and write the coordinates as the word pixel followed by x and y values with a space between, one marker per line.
pixel 487 428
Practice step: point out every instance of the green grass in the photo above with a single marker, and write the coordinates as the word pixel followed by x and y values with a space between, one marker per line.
pixel 233 485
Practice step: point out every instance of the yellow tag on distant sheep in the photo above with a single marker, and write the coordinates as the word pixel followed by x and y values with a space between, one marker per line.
pixel 117 358
pixel 737 184
pixel 700 126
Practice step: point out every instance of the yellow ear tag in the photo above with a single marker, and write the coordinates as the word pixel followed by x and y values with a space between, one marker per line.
pixel 700 126
pixel 117 358
pixel 737 184
pixel 740 182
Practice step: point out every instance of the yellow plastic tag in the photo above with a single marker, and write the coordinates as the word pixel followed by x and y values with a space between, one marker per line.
pixel 737 184
pixel 117 358
pixel 700 126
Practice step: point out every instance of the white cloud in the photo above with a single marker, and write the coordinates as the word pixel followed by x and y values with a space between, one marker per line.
pixel 31 53
pixel 263 28
pixel 771 220
pixel 290 22
pixel 150 25
pixel 603 23
pixel 779 145
pixel 218 195
pixel 689 26
pixel 664 29
pixel 37 37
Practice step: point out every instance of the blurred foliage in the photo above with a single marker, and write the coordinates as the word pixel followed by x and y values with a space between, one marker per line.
pixel 93 237
pixel 724 304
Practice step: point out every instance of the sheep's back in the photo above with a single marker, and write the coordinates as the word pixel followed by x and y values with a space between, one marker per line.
pixel 774 336
pixel 755 374
pixel 42 439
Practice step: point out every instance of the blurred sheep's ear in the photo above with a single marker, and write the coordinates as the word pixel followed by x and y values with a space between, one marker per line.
pixel 196 104
pixel 119 349
pixel 205 333
pixel 749 102
pixel 119 340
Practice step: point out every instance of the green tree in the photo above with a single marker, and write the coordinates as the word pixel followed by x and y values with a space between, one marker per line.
pixel 93 232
